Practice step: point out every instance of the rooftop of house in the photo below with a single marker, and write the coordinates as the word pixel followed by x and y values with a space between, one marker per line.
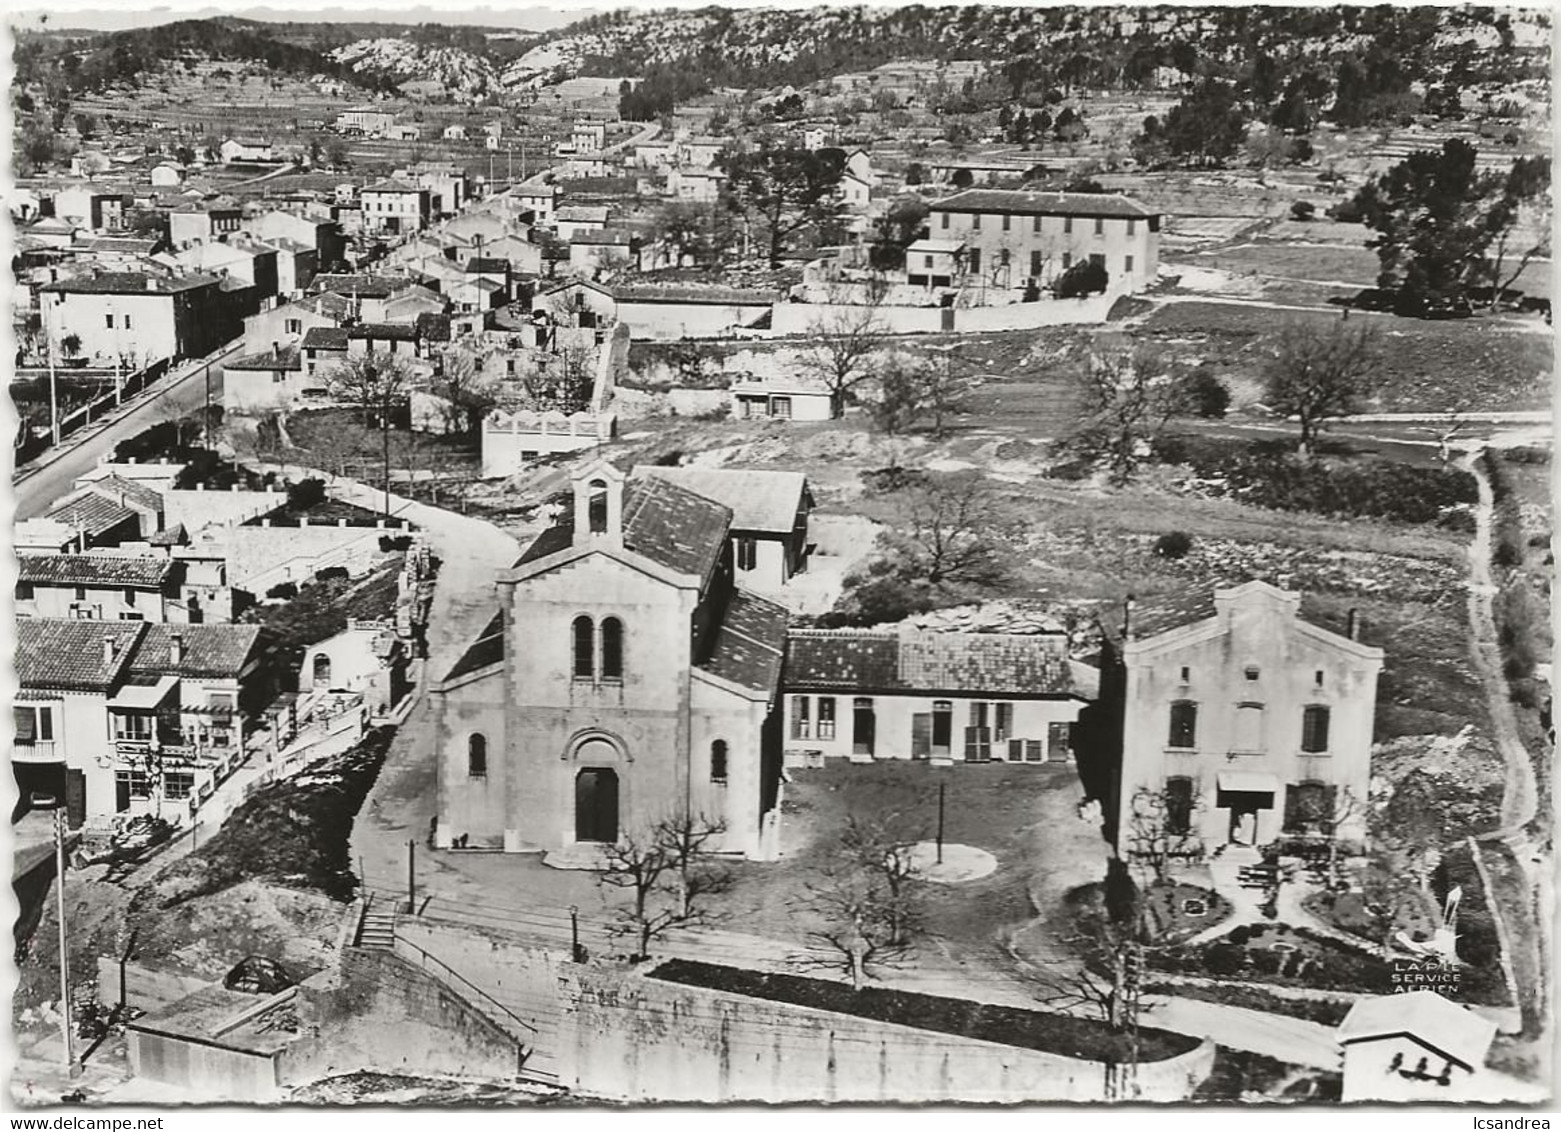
pixel 604 236
pixel 672 526
pixel 280 358
pixel 1019 202
pixel 485 265
pixel 935 247
pixel 94 514
pixel 325 338
pixel 363 286
pixel 215 650
pixel 384 331
pixel 582 214
pixel 391 185
pixel 693 293
pixel 432 327
pixel 67 654
pixel 1426 1017
pixel 1181 608
pixel 107 570
pixel 762 501
pixel 125 491
pixel 915 660
pixel 175 535
pixel 131 283
pixel 487 649
pixel 750 645
pixel 41 532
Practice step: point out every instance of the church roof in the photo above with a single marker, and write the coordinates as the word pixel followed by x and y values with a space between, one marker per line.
pixel 670 525
pixel 750 644
pixel 487 649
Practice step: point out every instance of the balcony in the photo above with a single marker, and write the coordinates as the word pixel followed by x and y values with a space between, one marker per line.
pixel 38 751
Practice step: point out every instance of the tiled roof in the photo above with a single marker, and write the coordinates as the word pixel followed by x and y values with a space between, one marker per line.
pixel 93 570
pixel 283 359
pixel 760 500
pixel 581 214
pixel 433 327
pixel 126 492
pixel 326 303
pixel 175 535
pixel 400 331
pixel 678 528
pixel 367 286
pixel 487 266
pixel 1160 614
pixel 209 650
pixel 1042 204
pixel 750 644
pixel 608 236
pixel 325 338
pixel 720 296
pixel 391 185
pixel 67 654
pixel 914 660
pixel 91 513
pixel 131 283
pixel 487 649
pixel 670 525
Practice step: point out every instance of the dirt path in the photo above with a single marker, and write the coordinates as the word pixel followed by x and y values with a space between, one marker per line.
pixel 1519 799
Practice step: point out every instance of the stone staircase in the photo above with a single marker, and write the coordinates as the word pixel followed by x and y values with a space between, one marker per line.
pixel 377 927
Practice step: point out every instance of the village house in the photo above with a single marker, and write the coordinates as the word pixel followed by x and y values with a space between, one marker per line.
pixel 624 679
pixel 166 175
pixel 98 207
pixel 1014 237
pixel 99 587
pixel 97 520
pixel 117 314
pixel 288 323
pixel 591 252
pixel 392 207
pixel 1237 708
pixel 935 263
pixel 699 186
pixel 574 220
pixel 367 657
pixel 769 518
pixel 269 380
pixel 449 186
pixel 144 501
pixel 921 694
pixel 365 120
pixel 246 149
pixel 454 132
pixel 196 223
pixel 541 201
pixel 781 399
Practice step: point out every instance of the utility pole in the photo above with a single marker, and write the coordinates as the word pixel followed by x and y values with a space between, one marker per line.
pixel 206 420
pixel 54 392
pixel 72 1062
pixel 411 876
pixel 942 786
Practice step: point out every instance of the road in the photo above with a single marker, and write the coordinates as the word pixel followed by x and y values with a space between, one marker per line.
pixel 52 474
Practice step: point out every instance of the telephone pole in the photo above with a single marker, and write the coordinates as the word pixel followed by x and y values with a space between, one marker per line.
pixel 72 1062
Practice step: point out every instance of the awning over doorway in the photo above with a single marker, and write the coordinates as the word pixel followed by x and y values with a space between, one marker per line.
pixel 144 697
pixel 1247 782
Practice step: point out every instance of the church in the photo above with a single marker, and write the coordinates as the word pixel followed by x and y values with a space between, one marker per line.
pixel 626 677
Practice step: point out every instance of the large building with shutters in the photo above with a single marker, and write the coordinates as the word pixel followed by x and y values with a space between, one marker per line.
pixel 1231 717
pixel 1004 238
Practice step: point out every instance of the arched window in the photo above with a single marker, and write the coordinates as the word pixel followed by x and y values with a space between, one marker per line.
pixel 477 756
pixel 1314 729
pixel 1184 725
pixel 584 649
pixel 1249 727
pixel 598 506
pixel 612 649
pixel 718 761
pixel 322 670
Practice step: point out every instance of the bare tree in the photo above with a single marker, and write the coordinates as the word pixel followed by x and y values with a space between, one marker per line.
pixel 1108 938
pixel 910 389
pixel 855 933
pixel 467 396
pixel 1316 374
pixel 1158 825
pixel 374 382
pixel 563 382
pixel 1325 810
pixel 844 342
pixel 667 868
pixel 340 448
pixel 884 848
pixel 1129 398
pixel 954 522
pixel 181 413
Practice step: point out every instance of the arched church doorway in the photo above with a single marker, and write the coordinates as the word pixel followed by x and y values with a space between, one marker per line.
pixel 596 805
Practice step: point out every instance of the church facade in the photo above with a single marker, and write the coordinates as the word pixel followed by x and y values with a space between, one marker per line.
pixel 625 678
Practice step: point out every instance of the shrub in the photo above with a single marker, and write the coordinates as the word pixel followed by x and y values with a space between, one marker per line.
pixel 1222 958
pixel 305 494
pixel 1173 545
pixel 1346 212
pixel 284 590
pixel 1303 210
pixel 1460 520
pixel 1207 395
pixel 331 573
pixel 1087 277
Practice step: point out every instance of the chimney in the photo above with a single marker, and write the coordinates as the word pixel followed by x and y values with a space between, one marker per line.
pixel 151 283
pixel 110 651
pixel 1352 625
pixel 1127 617
pixel 176 650
pixel 276 349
